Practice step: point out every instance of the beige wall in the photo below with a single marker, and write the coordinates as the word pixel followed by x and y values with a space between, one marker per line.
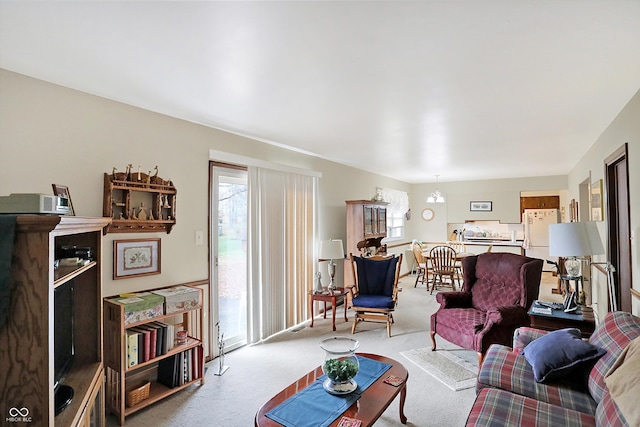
pixel 625 128
pixel 504 193
pixel 51 134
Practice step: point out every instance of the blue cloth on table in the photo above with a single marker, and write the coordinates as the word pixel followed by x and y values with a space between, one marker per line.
pixel 315 407
pixel 7 231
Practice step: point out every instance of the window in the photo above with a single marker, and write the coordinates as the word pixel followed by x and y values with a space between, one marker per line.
pixel 398 207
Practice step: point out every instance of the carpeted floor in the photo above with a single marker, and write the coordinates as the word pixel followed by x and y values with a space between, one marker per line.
pixel 258 372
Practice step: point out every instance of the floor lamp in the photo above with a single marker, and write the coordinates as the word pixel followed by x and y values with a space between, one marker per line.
pixel 330 250
pixel 577 240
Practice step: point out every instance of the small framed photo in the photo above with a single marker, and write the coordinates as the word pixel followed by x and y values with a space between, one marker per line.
pixel 483 206
pixel 63 192
pixel 136 257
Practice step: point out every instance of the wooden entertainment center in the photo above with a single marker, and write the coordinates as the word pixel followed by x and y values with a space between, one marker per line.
pixel 27 339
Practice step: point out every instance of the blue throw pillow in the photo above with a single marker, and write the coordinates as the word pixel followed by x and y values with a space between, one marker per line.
pixel 558 353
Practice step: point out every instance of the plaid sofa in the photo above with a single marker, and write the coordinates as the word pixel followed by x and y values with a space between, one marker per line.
pixel 508 394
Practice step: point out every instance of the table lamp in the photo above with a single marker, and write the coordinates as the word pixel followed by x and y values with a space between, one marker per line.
pixel 330 250
pixel 574 240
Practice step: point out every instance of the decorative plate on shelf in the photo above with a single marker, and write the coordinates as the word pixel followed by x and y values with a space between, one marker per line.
pixel 427 214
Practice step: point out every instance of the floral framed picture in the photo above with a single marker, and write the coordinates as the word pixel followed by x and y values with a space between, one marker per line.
pixel 483 206
pixel 136 257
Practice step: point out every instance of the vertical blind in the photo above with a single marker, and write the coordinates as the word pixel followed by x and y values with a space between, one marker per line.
pixel 282 225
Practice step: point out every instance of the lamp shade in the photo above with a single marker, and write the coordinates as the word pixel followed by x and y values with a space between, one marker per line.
pixel 573 239
pixel 331 249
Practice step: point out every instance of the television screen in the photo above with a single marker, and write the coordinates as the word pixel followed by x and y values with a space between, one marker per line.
pixel 62 331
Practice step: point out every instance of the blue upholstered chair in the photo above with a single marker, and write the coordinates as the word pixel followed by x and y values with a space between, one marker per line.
pixel 375 290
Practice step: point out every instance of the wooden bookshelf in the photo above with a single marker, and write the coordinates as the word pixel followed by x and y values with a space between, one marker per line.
pixel 120 378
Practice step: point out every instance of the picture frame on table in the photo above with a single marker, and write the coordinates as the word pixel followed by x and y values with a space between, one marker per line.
pixel 62 191
pixel 136 257
pixel 481 206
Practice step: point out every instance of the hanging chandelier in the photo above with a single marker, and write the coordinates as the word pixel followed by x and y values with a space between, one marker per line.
pixel 436 196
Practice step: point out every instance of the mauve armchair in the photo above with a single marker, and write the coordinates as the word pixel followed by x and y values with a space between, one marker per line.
pixel 497 291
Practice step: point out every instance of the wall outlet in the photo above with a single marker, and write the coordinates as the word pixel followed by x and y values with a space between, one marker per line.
pixel 199 237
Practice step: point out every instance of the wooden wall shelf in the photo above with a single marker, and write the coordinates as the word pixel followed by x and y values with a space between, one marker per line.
pixel 145 204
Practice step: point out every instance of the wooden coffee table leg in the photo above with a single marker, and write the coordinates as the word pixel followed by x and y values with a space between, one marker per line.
pixel 311 309
pixel 403 396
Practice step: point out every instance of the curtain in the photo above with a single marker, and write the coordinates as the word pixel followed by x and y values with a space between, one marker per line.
pixel 282 224
pixel 398 201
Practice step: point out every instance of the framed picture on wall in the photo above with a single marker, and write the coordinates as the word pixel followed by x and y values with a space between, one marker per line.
pixel 481 206
pixel 136 257
pixel 596 201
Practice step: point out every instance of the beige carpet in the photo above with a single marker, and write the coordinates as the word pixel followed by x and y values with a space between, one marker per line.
pixel 260 371
pixel 445 366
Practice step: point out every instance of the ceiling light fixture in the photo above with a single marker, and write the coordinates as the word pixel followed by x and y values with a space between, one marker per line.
pixel 436 196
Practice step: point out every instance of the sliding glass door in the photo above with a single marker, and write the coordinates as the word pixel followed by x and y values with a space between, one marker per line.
pixel 229 256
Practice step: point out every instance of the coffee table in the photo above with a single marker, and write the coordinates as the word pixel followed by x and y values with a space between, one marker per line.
pixel 372 403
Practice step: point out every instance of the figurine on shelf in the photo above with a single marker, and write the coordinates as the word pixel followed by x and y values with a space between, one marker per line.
pixel 142 214
pixel 128 172
pixel 154 178
pixel 138 173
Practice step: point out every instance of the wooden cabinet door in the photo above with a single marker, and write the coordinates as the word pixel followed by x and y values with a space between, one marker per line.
pixel 540 202
pixel 382 220
pixel 368 221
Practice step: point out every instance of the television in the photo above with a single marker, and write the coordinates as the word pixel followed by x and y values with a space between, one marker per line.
pixel 63 343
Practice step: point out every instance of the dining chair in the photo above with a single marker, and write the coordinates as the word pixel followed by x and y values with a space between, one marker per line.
pixel 460 248
pixel 421 265
pixel 443 263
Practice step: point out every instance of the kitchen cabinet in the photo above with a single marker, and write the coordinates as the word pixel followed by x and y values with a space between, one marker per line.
pixel 482 247
pixel 539 202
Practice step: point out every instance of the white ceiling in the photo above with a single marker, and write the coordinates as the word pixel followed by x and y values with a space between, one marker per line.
pixel 464 89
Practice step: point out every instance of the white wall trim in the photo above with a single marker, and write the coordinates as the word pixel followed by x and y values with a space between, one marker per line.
pixel 223 156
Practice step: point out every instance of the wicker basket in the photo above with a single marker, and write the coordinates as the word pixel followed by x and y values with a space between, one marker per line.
pixel 138 394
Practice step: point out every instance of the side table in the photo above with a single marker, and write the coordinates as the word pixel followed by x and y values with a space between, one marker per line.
pixel 331 296
pixel 582 319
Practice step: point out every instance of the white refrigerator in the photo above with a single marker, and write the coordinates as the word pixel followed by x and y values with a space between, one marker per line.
pixel 536 234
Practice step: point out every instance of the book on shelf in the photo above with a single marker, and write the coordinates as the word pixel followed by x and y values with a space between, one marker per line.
pixel 166 371
pixel 153 338
pixel 145 354
pixel 180 368
pixel 132 348
pixel 161 343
